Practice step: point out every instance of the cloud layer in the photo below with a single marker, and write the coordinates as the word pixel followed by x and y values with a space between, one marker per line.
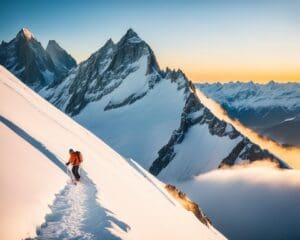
pixel 257 201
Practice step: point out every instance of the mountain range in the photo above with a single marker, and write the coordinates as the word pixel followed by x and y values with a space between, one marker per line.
pixel 271 109
pixel 155 116
pixel 122 95
pixel 28 60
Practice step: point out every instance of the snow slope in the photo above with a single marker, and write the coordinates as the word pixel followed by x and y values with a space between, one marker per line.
pixel 116 199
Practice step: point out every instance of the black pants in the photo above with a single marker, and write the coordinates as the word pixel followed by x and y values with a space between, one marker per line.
pixel 75 172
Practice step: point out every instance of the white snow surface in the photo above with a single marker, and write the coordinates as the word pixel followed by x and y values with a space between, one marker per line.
pixel 140 129
pixel 198 153
pixel 27 33
pixel 134 83
pixel 116 198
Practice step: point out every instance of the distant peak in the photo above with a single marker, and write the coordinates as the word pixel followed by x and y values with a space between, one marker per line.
pixel 131 37
pixel 52 42
pixel 25 33
pixel 53 45
pixel 109 42
pixel 130 33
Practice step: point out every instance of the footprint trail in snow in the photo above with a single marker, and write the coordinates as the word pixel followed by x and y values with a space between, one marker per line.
pixel 76 214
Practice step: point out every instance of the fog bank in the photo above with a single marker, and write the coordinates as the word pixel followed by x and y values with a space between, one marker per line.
pixel 256 201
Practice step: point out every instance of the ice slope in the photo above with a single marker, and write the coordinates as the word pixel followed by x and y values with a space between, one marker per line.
pixel 129 204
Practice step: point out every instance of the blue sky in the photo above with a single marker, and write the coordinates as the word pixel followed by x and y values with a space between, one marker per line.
pixel 209 40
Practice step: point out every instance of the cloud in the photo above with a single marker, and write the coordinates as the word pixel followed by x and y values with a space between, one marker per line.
pixel 257 201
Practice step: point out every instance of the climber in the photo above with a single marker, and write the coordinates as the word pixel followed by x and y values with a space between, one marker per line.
pixel 75 160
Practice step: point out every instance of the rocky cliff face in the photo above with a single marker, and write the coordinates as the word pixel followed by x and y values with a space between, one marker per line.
pixel 61 59
pixel 194 113
pixel 105 70
pixel 189 205
pixel 26 58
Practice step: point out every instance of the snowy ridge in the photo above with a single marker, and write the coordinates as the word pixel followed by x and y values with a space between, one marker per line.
pixel 42 135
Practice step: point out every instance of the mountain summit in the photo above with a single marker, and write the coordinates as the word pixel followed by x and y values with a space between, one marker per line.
pixel 61 59
pixel 25 33
pixel 28 60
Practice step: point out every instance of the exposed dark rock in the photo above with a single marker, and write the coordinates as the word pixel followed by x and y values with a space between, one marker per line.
pixel 192 106
pixel 188 204
pixel 61 59
pixel 166 153
pixel 131 99
pixel 244 150
pixel 106 69
pixel 25 57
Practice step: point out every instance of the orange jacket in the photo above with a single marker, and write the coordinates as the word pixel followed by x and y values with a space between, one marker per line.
pixel 74 159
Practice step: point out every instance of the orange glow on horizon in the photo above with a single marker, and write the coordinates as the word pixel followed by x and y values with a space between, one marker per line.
pixel 210 71
pixel 243 76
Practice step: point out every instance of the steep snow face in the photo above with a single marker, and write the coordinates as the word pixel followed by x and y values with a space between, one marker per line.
pixel 28 182
pixel 262 107
pixel 61 59
pixel 36 139
pixel 136 130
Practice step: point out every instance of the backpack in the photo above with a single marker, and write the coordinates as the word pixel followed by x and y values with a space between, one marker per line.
pixel 79 156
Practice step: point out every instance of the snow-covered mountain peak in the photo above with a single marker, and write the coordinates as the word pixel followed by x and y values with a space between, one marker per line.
pixel 25 57
pixel 109 43
pixel 25 33
pixel 130 37
pixel 61 59
pixel 130 49
pixel 53 44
